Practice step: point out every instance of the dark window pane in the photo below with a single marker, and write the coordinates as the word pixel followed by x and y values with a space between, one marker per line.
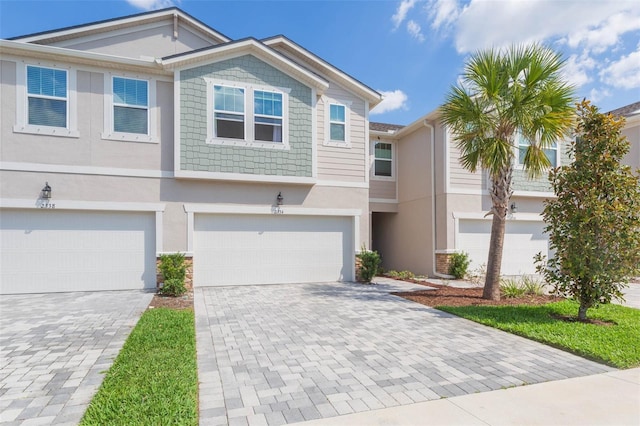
pixel 229 129
pixel 337 132
pixel 130 120
pixel 47 112
pixel 383 168
pixel 268 133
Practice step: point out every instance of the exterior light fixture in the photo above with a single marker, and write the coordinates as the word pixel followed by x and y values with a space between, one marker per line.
pixel 45 194
pixel 280 199
pixel 513 208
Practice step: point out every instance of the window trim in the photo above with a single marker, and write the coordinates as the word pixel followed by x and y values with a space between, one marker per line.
pixel 108 132
pixel 249 115
pixel 392 161
pixel 520 166
pixel 22 103
pixel 327 123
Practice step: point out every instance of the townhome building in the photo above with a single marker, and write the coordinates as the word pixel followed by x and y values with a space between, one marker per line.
pixel 154 133
pixel 425 206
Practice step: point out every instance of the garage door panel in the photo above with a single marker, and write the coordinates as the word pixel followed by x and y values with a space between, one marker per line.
pixel 523 240
pixel 259 249
pixel 52 251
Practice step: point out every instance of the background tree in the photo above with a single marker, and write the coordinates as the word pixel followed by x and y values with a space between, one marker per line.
pixel 502 94
pixel 594 223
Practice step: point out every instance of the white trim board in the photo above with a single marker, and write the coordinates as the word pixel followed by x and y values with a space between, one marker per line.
pixel 83 170
pixel 242 177
pixel 284 210
pixel 21 203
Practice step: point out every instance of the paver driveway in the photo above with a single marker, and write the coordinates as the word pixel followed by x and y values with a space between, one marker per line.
pixel 54 349
pixel 287 353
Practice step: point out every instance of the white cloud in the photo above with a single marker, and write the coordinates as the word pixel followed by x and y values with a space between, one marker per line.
pixel 401 13
pixel 391 101
pixel 576 69
pixel 442 13
pixel 151 4
pixel 607 33
pixel 623 73
pixel 415 30
pixel 596 95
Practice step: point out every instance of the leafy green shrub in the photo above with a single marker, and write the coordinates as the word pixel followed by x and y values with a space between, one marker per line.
pixel 406 275
pixel 459 263
pixel 532 286
pixel 511 288
pixel 174 272
pixel 393 274
pixel 369 263
pixel 173 287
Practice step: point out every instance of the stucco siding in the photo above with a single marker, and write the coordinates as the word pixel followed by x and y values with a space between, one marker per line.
pixel 155 41
pixel 197 155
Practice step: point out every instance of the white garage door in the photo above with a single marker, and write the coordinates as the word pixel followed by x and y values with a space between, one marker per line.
pixel 522 241
pixel 270 249
pixel 54 250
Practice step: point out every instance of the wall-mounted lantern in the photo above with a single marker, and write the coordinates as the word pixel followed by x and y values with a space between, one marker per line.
pixel 513 208
pixel 45 194
pixel 279 199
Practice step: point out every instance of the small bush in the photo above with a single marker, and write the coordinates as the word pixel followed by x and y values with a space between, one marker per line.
pixel 459 263
pixel 478 275
pixel 393 274
pixel 511 288
pixel 532 286
pixel 406 275
pixel 173 287
pixel 369 263
pixel 174 272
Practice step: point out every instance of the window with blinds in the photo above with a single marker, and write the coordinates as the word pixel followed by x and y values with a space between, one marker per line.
pixel 47 96
pixel 130 105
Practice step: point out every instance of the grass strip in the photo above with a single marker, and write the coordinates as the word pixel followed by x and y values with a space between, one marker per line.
pixel 154 379
pixel 617 345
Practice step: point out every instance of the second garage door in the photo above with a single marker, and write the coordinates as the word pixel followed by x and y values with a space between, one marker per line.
pixel 271 249
pixel 522 241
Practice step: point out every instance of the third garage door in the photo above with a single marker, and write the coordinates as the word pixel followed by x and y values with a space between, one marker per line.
pixel 271 249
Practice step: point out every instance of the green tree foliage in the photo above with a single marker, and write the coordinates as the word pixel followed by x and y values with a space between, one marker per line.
pixel 502 94
pixel 594 223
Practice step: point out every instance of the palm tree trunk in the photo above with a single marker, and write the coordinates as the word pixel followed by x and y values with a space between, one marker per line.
pixel 500 194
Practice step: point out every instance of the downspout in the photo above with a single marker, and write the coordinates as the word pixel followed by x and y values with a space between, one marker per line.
pixel 433 202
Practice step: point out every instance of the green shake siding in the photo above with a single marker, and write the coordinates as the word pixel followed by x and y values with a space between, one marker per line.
pixel 196 155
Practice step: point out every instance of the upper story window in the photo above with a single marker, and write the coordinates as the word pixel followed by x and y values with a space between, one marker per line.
pixel 229 112
pixel 233 122
pixel 551 153
pixel 130 105
pixel 46 100
pixel 129 109
pixel 337 122
pixel 47 97
pixel 268 116
pixel 383 161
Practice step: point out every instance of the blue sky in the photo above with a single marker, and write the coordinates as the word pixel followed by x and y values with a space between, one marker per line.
pixel 411 51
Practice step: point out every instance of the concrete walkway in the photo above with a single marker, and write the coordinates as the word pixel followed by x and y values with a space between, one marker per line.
pixel 603 399
pixel 55 349
pixel 289 353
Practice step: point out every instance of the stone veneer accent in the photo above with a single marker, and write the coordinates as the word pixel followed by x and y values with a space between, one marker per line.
pixel 197 155
pixel 443 260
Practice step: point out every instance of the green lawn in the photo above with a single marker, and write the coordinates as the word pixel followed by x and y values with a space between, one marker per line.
pixel 617 345
pixel 154 379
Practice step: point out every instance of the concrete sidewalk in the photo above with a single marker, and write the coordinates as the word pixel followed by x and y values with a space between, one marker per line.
pixel 611 398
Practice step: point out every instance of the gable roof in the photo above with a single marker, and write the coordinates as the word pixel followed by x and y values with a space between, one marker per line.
pixel 627 110
pixel 325 67
pixel 384 127
pixel 75 31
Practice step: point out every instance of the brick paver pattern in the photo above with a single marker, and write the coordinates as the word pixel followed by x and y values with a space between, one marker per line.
pixel 278 354
pixel 55 349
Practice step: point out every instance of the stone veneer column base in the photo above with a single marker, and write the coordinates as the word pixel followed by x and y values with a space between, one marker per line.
pixel 443 260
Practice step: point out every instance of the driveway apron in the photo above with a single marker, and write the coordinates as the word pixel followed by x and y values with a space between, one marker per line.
pixel 287 353
pixel 55 349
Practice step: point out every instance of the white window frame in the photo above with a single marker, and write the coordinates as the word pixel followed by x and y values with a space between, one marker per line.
pixel 109 133
pixel 249 116
pixel 519 138
pixel 392 160
pixel 327 123
pixel 22 103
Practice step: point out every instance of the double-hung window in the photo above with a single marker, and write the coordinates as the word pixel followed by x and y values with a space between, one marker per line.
pixel 383 161
pixel 130 105
pixel 47 97
pixel 228 112
pixel 523 145
pixel 337 123
pixel 267 116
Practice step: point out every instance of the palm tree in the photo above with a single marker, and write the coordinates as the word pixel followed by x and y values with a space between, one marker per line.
pixel 503 94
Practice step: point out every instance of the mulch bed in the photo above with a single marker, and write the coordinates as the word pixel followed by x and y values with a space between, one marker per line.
pixel 452 296
pixel 181 302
